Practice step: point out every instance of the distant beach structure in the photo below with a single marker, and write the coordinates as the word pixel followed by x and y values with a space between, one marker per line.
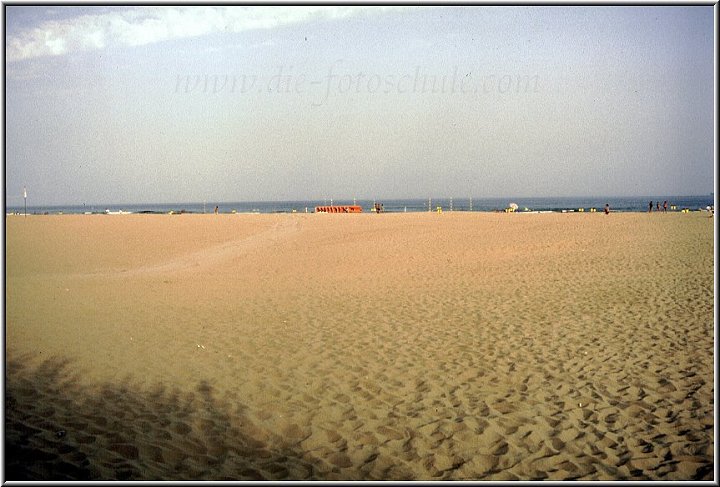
pixel 339 209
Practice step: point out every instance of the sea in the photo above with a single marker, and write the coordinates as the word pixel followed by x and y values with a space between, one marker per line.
pixel 544 204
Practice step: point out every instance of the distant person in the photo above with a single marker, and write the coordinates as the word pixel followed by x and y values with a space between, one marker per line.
pixel 607 208
pixel 216 210
pixel 658 205
pixel 382 207
pixel 650 207
pixel 665 206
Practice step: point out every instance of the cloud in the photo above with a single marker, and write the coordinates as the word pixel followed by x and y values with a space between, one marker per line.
pixel 146 25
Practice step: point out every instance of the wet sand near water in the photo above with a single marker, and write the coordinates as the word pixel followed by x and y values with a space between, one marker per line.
pixel 419 346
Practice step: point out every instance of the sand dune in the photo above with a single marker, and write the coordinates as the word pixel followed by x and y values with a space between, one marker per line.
pixel 422 346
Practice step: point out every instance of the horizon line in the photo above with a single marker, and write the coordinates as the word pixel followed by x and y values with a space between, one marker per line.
pixel 342 199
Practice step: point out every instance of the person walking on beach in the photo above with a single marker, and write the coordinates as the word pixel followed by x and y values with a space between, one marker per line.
pixel 665 206
pixel 658 206
pixel 216 210
pixel 650 207
pixel 607 208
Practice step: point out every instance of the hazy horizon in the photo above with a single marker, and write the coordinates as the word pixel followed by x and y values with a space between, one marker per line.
pixel 144 105
pixel 460 201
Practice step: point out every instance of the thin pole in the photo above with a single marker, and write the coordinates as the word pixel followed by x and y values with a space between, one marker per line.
pixel 25 198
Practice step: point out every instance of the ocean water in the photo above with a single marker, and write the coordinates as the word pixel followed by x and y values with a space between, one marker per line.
pixel 621 204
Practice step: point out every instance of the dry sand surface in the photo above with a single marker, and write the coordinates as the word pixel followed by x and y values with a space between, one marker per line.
pixel 421 346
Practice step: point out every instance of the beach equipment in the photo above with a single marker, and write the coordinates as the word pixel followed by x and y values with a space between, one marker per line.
pixel 514 206
pixel 338 209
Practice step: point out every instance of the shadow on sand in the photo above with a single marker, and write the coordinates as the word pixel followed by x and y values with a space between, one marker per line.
pixel 57 429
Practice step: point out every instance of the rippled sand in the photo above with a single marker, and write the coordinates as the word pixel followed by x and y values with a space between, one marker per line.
pixel 416 346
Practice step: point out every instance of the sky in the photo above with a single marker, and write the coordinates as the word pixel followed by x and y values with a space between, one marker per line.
pixel 232 103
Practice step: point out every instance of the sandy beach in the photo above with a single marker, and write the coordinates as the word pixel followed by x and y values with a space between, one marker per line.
pixel 418 346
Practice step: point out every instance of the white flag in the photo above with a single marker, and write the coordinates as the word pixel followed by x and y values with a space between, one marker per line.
pixel 24 193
